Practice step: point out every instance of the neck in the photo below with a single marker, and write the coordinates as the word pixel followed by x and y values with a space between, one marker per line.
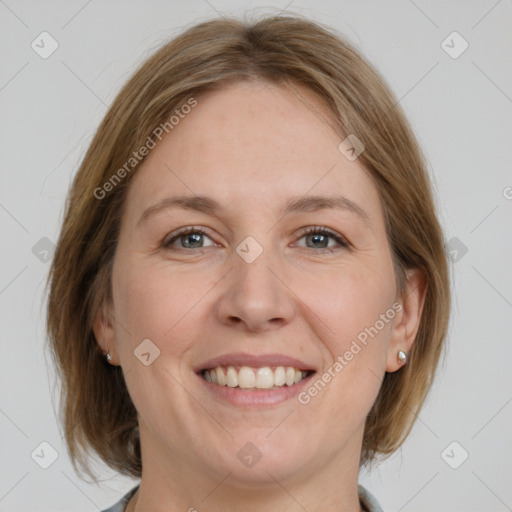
pixel 181 486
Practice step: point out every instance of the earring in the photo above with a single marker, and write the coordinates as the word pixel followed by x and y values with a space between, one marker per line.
pixel 402 357
pixel 108 357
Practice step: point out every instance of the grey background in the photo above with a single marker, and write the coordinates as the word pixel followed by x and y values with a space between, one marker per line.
pixel 461 111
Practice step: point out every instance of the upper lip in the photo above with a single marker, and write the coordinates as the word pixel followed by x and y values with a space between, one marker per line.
pixel 255 361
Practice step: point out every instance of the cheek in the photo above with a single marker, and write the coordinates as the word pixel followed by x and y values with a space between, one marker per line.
pixel 342 394
pixel 157 304
pixel 348 301
pixel 355 316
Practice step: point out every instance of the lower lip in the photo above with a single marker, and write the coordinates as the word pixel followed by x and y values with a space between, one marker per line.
pixel 257 398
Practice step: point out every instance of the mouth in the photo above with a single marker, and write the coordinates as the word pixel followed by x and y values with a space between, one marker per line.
pixel 248 378
pixel 252 381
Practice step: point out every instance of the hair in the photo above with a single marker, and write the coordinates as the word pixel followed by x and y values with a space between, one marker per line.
pixel 96 410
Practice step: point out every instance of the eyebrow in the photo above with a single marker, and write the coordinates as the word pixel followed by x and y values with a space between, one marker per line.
pixel 294 205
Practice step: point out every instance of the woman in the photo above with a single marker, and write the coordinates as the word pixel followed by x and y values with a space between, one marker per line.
pixel 249 297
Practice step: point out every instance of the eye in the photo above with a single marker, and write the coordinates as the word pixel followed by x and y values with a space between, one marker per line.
pixel 189 238
pixel 318 238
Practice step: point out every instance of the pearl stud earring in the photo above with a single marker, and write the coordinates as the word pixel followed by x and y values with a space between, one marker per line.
pixel 402 357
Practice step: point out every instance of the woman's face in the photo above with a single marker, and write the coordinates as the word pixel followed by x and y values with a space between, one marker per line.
pixel 250 286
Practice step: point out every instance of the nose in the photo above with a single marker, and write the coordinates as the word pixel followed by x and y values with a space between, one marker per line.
pixel 256 296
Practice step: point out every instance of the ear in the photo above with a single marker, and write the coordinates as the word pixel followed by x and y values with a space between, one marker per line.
pixel 407 319
pixel 104 332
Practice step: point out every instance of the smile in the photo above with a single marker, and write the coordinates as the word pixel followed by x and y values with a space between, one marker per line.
pixel 251 378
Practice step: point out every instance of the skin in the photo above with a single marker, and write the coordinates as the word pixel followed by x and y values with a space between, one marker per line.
pixel 251 147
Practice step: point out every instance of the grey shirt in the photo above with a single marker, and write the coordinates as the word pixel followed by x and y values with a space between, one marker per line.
pixel 367 500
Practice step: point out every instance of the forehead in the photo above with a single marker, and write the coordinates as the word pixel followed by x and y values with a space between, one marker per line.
pixel 257 119
pixel 254 145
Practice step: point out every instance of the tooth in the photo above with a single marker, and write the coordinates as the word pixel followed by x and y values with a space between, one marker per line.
pixel 232 377
pixel 264 378
pixel 249 378
pixel 279 376
pixel 290 376
pixel 221 378
pixel 246 378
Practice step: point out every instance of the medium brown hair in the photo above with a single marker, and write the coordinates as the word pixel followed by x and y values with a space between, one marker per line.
pixel 96 409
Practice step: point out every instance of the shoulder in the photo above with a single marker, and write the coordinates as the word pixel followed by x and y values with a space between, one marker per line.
pixel 368 501
pixel 121 504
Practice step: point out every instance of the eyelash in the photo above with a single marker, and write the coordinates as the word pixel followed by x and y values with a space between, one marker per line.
pixel 317 230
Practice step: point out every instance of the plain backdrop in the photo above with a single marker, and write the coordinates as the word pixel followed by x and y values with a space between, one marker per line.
pixel 459 454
